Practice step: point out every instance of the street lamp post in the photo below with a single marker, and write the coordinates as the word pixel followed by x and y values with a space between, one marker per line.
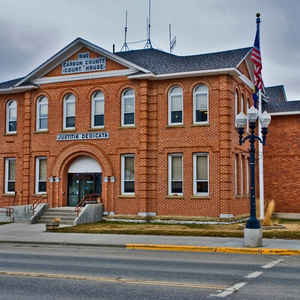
pixel 253 231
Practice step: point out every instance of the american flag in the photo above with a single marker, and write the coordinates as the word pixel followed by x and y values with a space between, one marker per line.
pixel 256 59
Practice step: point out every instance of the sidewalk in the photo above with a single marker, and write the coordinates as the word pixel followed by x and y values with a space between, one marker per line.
pixel 35 234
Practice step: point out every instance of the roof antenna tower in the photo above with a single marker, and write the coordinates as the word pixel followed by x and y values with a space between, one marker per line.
pixel 148 42
pixel 125 45
pixel 172 41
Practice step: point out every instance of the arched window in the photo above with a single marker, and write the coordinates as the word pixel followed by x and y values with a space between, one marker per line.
pixel 236 100
pixel 42 114
pixel 69 111
pixel 175 106
pixel 11 116
pixel 97 109
pixel 200 104
pixel 242 107
pixel 128 107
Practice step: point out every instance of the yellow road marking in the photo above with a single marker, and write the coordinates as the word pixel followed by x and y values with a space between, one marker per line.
pixel 114 280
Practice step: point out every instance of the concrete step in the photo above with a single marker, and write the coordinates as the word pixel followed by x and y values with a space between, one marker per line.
pixel 60 213
pixel 66 215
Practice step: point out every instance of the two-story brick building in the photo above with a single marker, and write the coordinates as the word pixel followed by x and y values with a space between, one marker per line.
pixel 151 132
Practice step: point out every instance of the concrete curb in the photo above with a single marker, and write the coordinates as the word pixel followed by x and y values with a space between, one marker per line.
pixel 162 247
pixel 256 251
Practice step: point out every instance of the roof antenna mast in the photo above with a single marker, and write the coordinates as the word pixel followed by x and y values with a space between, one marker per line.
pixel 125 45
pixel 172 41
pixel 148 42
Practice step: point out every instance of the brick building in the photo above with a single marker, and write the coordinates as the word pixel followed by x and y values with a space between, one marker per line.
pixel 151 132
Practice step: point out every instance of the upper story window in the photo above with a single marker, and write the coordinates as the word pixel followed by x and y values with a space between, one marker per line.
pixel 97 109
pixel 236 100
pixel 242 109
pixel 69 111
pixel 175 106
pixel 42 114
pixel 11 116
pixel 200 104
pixel 128 107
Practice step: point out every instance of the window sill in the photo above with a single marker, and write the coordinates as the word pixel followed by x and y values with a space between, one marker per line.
pixel 199 197
pixel 69 130
pixel 40 131
pixel 10 134
pixel 127 196
pixel 175 126
pixel 96 128
pixel 200 125
pixel 174 197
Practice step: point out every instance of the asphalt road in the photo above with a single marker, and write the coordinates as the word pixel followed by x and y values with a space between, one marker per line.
pixel 57 272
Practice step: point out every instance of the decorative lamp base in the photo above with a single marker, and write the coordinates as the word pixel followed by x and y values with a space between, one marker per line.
pixel 253 237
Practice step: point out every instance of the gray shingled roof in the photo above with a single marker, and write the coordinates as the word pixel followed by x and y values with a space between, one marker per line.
pixel 10 83
pixel 160 62
pixel 277 101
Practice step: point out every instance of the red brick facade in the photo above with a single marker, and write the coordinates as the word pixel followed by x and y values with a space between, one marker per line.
pixel 151 140
pixel 282 163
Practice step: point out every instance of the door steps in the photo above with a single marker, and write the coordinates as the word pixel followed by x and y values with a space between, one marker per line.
pixel 66 215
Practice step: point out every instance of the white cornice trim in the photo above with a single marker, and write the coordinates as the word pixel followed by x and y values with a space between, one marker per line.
pixel 230 71
pixel 246 80
pixel 20 89
pixel 287 113
pixel 85 76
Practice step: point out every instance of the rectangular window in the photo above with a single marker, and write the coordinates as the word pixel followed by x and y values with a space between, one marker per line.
pixel 127 174
pixel 175 162
pixel 176 109
pixel 70 115
pixel 235 174
pixel 201 173
pixel 41 175
pixel 43 116
pixel 247 175
pixel 128 111
pixel 98 113
pixel 242 175
pixel 201 108
pixel 10 175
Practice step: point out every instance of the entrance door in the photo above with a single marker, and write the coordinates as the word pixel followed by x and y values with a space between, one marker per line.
pixel 81 184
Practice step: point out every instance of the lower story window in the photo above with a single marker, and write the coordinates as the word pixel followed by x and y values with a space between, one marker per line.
pixel 175 174
pixel 127 174
pixel 201 173
pixel 10 175
pixel 41 175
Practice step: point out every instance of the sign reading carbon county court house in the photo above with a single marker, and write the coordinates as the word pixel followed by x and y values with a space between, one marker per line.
pixel 82 136
pixel 84 64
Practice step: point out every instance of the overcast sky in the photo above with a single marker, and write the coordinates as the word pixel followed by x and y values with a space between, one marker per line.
pixel 31 31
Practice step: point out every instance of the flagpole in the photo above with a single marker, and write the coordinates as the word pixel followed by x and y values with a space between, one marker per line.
pixel 261 163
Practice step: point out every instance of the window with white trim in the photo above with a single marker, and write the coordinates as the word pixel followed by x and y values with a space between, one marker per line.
pixel 175 106
pixel 127 174
pixel 42 114
pixel 236 97
pixel 175 170
pixel 242 105
pixel 247 176
pixel 200 104
pixel 11 116
pixel 98 109
pixel 41 175
pixel 201 174
pixel 69 111
pixel 235 174
pixel 128 107
pixel 10 175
